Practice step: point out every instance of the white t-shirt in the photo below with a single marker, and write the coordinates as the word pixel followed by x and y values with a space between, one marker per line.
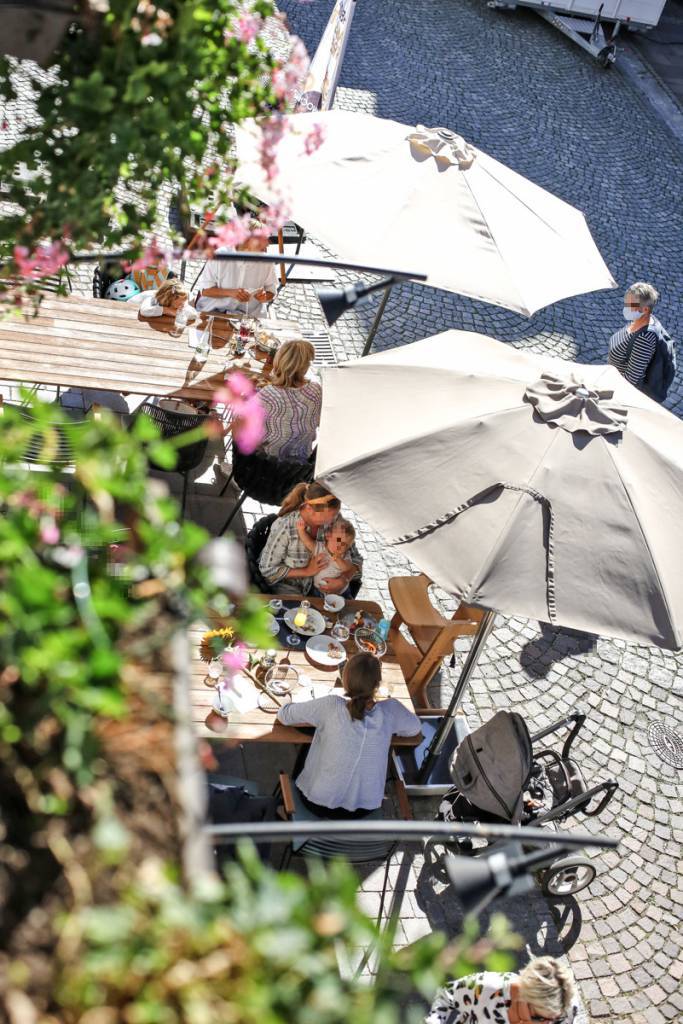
pixel 149 307
pixel 234 274
pixel 331 571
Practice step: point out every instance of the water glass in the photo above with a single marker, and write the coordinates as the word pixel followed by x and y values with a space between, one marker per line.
pixel 341 632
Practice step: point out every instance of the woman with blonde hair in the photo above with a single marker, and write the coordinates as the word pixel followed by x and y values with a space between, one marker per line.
pixel 286 562
pixel 542 993
pixel 346 766
pixel 292 403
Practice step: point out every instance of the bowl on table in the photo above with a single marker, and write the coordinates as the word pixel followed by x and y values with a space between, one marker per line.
pixel 281 679
pixel 325 651
pixel 370 642
pixel 333 603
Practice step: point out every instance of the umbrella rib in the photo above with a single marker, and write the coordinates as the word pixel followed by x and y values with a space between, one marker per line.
pixel 522 202
pixel 663 589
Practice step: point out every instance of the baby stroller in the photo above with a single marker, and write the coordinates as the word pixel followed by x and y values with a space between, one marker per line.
pixel 504 775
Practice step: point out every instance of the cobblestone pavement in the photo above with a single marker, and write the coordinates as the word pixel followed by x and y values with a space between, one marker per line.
pixel 524 94
pixel 519 90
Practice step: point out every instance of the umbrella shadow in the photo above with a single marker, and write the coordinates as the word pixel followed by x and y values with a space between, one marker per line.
pixel 554 644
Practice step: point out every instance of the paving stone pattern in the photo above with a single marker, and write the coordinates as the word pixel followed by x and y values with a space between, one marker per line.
pixel 520 91
pixel 524 94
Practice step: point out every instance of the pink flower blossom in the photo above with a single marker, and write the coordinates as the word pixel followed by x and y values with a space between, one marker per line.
pixel 46 260
pixel 288 77
pixel 235 659
pixel 273 130
pixel 232 234
pixel 248 413
pixel 314 139
pixel 247 27
pixel 275 216
pixel 49 531
pixel 150 258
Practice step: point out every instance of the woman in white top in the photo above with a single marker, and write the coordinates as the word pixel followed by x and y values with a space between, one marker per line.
pixel 346 766
pixel 167 300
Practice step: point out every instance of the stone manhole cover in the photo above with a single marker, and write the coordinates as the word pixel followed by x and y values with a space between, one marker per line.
pixel 666 743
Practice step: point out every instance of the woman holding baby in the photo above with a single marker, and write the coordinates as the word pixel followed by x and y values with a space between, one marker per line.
pixel 310 547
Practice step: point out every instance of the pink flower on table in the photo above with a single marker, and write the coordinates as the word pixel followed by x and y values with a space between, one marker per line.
pixel 314 139
pixel 235 660
pixel 49 531
pixel 248 414
pixel 247 27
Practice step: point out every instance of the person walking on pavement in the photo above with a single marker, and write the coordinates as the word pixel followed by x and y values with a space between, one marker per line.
pixel 632 348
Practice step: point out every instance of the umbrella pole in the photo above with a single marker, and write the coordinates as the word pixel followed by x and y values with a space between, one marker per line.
pixel 375 324
pixel 441 734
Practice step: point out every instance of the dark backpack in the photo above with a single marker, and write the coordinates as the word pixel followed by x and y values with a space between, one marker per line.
pixel 662 367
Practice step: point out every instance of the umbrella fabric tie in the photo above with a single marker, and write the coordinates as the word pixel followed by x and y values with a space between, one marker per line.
pixel 476 499
pixel 443 145
pixel 574 406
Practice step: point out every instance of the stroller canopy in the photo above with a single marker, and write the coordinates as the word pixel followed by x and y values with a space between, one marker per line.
pixel 491 766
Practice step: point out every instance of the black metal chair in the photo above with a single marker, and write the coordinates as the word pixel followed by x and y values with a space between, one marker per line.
pixel 263 478
pixel 172 424
pixel 255 543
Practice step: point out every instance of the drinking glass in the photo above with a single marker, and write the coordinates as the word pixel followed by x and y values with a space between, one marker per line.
pixel 275 605
pixel 341 632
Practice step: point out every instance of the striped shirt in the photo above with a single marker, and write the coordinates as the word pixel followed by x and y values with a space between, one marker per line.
pixel 347 763
pixel 292 418
pixel 285 550
pixel 632 353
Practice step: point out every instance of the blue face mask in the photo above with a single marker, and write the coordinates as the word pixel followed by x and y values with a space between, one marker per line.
pixel 631 314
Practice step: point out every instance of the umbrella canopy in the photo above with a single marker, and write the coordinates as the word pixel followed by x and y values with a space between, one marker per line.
pixel 422 199
pixel 523 484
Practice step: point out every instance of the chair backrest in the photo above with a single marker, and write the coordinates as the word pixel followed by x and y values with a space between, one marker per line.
pixel 50 283
pixel 59 449
pixel 356 850
pixel 255 543
pixel 268 480
pixel 104 276
pixel 172 424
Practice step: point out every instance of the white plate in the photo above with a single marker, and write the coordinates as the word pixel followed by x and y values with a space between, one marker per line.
pixel 315 623
pixel 318 650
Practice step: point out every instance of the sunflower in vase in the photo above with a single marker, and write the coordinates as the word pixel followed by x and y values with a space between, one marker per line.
pixel 216 642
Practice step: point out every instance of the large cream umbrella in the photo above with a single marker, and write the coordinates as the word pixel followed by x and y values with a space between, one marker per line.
pixel 519 483
pixel 385 193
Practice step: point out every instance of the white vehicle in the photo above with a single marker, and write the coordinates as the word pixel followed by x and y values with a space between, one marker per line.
pixel 583 20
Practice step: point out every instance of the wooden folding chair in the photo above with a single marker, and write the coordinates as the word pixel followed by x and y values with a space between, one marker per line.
pixel 433 634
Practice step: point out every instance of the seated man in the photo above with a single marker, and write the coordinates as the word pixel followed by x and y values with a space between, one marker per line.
pixel 230 286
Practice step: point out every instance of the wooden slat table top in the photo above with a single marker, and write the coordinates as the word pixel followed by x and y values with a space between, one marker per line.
pixel 96 343
pixel 261 726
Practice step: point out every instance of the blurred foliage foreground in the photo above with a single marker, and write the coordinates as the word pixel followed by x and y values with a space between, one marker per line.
pixel 99 926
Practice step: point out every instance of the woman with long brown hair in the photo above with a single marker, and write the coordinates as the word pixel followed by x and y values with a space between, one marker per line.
pixel 292 403
pixel 346 766
pixel 286 563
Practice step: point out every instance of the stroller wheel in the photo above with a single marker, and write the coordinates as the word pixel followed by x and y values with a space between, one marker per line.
pixel 567 876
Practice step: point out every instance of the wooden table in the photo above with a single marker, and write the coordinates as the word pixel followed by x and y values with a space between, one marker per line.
pixel 261 726
pixel 95 343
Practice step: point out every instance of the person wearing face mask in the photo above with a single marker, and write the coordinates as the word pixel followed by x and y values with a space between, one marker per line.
pixel 542 993
pixel 632 348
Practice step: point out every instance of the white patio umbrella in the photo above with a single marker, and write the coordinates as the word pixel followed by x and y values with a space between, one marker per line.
pixel 523 484
pixel 389 194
